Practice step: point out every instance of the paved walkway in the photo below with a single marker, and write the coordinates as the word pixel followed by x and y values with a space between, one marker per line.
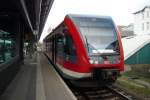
pixel 37 80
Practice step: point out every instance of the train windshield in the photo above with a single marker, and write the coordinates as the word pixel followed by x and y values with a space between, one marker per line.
pixel 98 34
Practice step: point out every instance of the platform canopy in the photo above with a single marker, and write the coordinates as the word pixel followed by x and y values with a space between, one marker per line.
pixel 33 13
pixel 136 48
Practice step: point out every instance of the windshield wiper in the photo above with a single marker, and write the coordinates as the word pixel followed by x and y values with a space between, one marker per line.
pixel 87 44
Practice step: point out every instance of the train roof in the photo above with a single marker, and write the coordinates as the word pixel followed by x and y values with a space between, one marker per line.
pixel 82 16
pixel 89 16
pixel 134 43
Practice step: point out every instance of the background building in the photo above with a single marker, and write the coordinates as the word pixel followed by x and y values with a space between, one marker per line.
pixel 126 31
pixel 142 21
pixel 137 47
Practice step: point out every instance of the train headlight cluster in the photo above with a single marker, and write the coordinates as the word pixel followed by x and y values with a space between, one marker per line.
pixel 94 61
pixel 91 61
pixel 104 60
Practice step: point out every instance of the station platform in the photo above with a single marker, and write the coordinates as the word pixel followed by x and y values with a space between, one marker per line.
pixel 37 80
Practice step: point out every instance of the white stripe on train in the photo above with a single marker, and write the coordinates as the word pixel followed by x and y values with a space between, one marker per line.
pixel 72 73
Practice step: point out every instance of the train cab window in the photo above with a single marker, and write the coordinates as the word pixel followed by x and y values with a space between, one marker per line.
pixel 99 34
pixel 7 46
pixel 70 49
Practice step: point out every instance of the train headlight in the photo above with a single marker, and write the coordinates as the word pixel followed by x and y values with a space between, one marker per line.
pixel 91 61
pixel 106 62
pixel 96 62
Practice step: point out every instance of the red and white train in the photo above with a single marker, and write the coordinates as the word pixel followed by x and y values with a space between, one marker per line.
pixel 86 47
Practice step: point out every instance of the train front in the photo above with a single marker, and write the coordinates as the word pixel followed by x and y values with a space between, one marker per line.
pixel 103 46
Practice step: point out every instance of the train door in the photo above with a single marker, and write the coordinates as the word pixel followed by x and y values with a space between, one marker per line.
pixel 59 49
pixel 53 49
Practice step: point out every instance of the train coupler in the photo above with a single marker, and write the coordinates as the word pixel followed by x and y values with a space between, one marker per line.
pixel 106 75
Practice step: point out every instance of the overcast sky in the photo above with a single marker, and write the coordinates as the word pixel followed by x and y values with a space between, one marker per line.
pixel 120 10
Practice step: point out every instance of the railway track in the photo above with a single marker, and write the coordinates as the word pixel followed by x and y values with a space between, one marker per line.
pixel 99 93
pixel 96 93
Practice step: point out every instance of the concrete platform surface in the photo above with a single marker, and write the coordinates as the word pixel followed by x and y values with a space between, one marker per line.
pixel 37 80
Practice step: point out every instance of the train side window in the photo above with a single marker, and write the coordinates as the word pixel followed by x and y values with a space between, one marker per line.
pixel 70 49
